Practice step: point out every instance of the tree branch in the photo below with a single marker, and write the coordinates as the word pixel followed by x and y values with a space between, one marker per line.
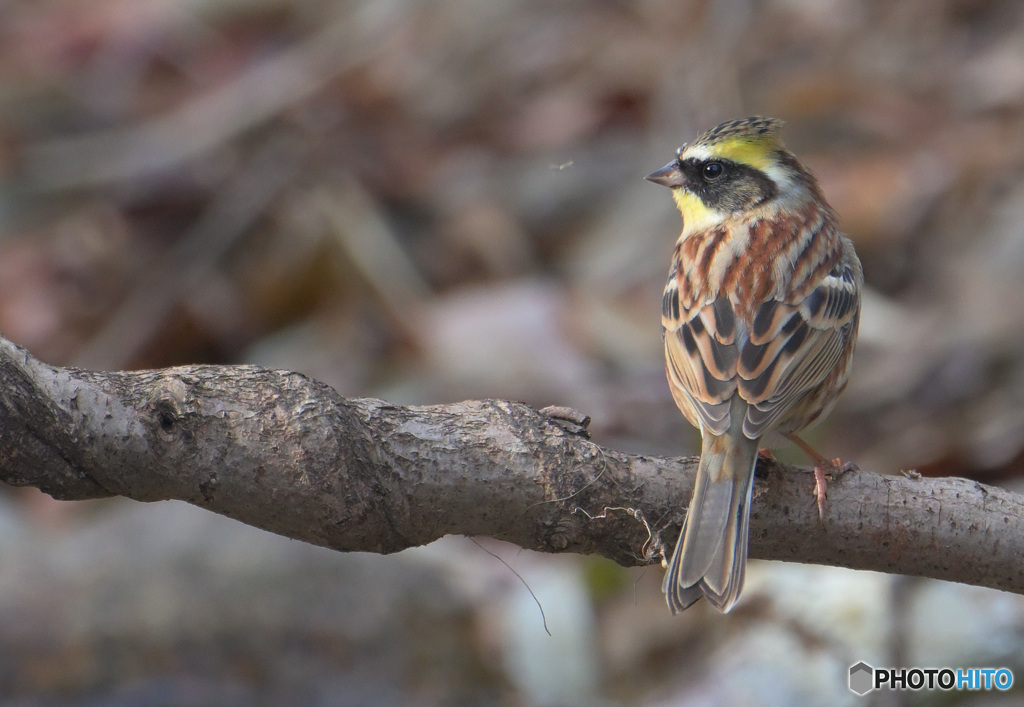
pixel 282 452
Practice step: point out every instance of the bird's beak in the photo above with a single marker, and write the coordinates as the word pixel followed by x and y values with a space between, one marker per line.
pixel 667 176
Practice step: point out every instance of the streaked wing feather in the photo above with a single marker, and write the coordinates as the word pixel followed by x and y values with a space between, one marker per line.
pixel 810 372
pixel 794 347
pixel 701 356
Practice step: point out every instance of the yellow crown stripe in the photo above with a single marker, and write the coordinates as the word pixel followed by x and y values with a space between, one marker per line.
pixel 756 153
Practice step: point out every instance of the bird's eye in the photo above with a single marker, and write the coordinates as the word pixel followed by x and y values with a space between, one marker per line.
pixel 713 170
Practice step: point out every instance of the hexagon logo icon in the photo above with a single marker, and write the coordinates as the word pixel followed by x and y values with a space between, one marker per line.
pixel 862 678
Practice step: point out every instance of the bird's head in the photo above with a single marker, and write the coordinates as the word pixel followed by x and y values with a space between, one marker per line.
pixel 733 169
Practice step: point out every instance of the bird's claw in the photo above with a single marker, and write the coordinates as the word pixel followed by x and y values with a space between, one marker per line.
pixel 825 468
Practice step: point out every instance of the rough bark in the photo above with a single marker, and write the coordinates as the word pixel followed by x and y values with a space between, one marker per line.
pixel 282 452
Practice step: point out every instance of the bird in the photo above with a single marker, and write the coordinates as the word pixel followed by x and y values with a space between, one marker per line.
pixel 759 319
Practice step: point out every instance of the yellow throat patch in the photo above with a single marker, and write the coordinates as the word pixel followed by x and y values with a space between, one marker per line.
pixel 696 215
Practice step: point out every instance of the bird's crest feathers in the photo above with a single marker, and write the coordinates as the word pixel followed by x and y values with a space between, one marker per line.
pixel 751 141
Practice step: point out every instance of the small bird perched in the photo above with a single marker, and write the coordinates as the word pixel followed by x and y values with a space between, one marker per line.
pixel 760 319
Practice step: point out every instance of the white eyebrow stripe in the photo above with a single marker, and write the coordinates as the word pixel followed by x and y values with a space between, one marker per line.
pixel 697 152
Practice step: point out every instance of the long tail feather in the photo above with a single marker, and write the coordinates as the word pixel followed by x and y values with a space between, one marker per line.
pixel 711 555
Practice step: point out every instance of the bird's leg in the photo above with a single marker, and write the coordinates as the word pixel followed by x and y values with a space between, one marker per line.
pixel 822 466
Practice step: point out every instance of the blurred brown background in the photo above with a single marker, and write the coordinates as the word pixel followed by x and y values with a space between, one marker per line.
pixel 428 202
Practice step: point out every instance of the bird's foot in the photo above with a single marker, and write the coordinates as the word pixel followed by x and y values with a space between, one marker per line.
pixel 824 468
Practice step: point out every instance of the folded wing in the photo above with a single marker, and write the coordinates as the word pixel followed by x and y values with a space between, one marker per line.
pixel 784 351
